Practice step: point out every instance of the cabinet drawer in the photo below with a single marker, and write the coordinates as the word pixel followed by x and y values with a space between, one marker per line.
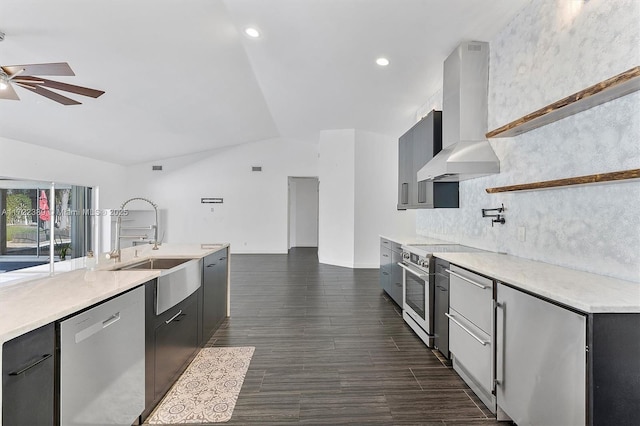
pixel 28 371
pixel 474 356
pixel 472 296
pixel 385 256
pixel 176 340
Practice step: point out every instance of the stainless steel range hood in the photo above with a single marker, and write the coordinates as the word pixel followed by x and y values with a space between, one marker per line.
pixel 466 153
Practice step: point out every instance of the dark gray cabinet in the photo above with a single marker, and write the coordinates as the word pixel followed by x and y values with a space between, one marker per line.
pixel 415 148
pixel 214 292
pixel 28 378
pixel 441 308
pixel 172 340
pixel 390 272
pixel 176 341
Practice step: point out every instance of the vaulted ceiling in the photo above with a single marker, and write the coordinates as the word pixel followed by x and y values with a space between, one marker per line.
pixel 181 76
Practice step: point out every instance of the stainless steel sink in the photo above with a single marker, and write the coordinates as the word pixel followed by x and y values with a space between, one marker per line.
pixel 178 279
pixel 156 264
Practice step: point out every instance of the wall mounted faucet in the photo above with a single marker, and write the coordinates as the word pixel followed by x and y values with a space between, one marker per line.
pixel 497 218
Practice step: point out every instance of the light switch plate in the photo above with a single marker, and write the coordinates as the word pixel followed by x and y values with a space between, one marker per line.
pixel 521 234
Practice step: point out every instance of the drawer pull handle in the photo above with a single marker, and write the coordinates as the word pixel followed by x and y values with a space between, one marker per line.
pixel 30 366
pixel 452 318
pixel 466 279
pixel 385 255
pixel 173 317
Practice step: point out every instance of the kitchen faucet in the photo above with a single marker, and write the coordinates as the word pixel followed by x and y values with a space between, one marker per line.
pixel 115 253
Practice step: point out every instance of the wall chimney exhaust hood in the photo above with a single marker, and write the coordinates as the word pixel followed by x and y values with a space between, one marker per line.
pixel 466 153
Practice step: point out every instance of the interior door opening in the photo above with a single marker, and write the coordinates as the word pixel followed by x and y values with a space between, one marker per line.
pixel 303 211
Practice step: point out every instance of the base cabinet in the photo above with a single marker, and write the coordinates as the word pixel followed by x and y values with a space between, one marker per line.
pixel 176 341
pixel 541 360
pixel 28 379
pixel 171 341
pixel 214 292
pixel 390 272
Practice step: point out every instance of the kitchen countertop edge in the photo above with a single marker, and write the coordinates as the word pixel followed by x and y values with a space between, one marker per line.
pixel 580 290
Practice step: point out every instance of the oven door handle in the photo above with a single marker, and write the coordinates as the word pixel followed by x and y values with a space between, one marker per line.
pixel 413 271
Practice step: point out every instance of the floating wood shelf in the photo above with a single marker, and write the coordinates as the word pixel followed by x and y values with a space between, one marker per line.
pixel 605 91
pixel 580 180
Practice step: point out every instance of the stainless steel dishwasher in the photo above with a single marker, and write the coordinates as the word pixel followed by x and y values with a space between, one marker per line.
pixel 102 363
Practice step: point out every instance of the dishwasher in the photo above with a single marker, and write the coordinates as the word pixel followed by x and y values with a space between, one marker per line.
pixel 102 363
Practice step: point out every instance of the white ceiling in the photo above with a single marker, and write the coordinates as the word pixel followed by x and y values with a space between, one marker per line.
pixel 181 77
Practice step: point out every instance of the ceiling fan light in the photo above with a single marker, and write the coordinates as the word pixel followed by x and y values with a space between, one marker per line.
pixel 4 80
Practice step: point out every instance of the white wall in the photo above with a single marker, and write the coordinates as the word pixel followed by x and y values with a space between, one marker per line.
pixel 358 196
pixel 552 49
pixel 253 217
pixel 303 213
pixel 336 201
pixel 376 196
pixel 33 162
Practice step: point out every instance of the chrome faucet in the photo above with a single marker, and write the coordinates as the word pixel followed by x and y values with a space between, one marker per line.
pixel 115 254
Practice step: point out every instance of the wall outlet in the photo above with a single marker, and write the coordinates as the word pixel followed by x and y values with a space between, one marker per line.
pixel 521 234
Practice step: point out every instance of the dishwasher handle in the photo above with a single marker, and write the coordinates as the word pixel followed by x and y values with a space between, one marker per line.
pixel 96 327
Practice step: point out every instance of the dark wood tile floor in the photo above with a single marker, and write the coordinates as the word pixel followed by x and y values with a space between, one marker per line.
pixel 332 348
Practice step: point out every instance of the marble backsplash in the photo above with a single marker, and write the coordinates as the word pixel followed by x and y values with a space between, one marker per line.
pixel 548 52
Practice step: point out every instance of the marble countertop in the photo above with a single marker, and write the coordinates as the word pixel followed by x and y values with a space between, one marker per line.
pixel 584 291
pixel 414 240
pixel 32 297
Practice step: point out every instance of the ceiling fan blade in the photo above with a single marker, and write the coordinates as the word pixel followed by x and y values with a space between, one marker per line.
pixel 9 93
pixel 54 68
pixel 53 95
pixel 84 91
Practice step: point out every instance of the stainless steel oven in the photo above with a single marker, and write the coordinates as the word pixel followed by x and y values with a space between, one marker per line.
pixel 417 294
pixel 418 287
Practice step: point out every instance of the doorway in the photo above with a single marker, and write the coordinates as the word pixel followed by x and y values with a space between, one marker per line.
pixel 303 211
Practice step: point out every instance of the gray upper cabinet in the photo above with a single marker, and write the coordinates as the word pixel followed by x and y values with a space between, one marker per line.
pixel 415 148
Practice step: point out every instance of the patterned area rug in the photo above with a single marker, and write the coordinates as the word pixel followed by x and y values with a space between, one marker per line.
pixel 208 389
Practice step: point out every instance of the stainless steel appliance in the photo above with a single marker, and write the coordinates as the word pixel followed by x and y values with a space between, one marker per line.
pixel 102 363
pixel 418 287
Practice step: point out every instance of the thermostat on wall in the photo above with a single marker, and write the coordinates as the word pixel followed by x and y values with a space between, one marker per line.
pixel 211 200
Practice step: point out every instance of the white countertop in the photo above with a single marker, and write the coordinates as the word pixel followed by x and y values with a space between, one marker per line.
pixel 414 240
pixel 584 291
pixel 30 298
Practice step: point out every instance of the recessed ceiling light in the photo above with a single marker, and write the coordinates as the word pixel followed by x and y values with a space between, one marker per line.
pixel 252 32
pixel 383 62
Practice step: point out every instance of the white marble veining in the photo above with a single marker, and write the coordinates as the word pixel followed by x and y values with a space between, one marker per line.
pixel 549 51
pixel 580 290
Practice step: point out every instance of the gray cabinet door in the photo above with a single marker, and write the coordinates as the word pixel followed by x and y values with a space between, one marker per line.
pixel 541 360
pixel 28 371
pixel 214 299
pixel 405 168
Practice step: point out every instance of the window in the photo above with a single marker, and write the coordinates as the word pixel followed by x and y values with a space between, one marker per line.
pixel 25 225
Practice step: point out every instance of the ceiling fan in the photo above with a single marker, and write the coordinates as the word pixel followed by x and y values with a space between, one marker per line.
pixel 25 76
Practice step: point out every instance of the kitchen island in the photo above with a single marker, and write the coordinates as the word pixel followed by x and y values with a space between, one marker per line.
pixel 27 304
